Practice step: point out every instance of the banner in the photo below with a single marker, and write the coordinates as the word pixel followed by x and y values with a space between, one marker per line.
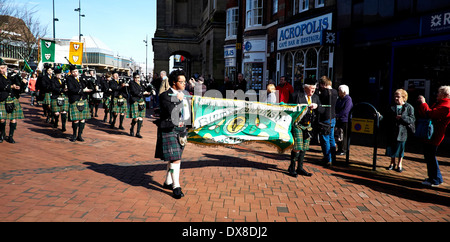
pixel 76 53
pixel 47 51
pixel 232 122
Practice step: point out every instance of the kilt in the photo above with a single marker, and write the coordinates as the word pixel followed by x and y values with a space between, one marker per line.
pixel 47 99
pixel 299 142
pixel 16 114
pixel 75 115
pixel 134 110
pixel 171 148
pixel 121 109
pixel 58 109
pixel 107 102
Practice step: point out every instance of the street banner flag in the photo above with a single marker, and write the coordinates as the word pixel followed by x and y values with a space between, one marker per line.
pixel 27 67
pixel 48 51
pixel 76 53
pixel 231 122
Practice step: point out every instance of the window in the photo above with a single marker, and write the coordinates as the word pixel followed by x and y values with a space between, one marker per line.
pixel 232 22
pixel 320 3
pixel 254 13
pixel 300 6
pixel 275 7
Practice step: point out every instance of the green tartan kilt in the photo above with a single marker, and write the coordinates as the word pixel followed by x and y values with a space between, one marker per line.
pixel 75 115
pixel 59 109
pixel 134 110
pixel 171 148
pixel 16 114
pixel 107 102
pixel 121 109
pixel 47 99
pixel 299 142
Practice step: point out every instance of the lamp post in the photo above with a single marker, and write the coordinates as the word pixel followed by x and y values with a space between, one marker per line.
pixel 146 54
pixel 54 20
pixel 79 21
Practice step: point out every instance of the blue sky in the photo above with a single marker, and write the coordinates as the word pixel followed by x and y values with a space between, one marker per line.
pixel 121 25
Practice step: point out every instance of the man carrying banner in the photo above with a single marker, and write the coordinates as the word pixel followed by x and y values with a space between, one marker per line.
pixel 78 105
pixel 302 130
pixel 172 130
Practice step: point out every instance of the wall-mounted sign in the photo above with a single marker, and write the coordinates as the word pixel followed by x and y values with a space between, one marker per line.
pixel 363 126
pixel 436 23
pixel 304 33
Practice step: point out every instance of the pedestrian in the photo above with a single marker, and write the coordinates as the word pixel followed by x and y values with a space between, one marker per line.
pixel 164 82
pixel 137 104
pixel 344 105
pixel 10 88
pixel 302 130
pixel 327 120
pixel 59 100
pixel 399 118
pixel 227 85
pixel 439 113
pixel 271 94
pixel 119 101
pixel 172 126
pixel 241 83
pixel 78 105
pixel 284 89
pixel 32 87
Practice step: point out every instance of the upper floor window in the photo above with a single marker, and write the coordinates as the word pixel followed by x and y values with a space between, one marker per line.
pixel 275 7
pixel 254 13
pixel 300 6
pixel 320 3
pixel 232 22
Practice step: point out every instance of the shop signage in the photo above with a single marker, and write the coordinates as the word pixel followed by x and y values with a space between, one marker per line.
pixel 255 45
pixel 364 126
pixel 304 33
pixel 230 52
pixel 436 23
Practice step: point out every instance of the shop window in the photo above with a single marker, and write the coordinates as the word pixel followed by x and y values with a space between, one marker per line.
pixel 324 59
pixel 254 72
pixel 288 65
pixel 299 69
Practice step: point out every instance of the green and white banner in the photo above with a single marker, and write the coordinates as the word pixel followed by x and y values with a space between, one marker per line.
pixel 230 122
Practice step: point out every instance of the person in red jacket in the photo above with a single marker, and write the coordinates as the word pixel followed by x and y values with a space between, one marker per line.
pixel 440 115
pixel 285 90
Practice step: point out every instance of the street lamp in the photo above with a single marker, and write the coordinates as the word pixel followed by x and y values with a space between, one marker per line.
pixel 79 16
pixel 54 20
pixel 146 53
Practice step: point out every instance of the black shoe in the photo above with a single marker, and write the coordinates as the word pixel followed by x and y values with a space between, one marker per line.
pixel 400 169
pixel 131 132
pixel 11 140
pixel 121 127
pixel 177 193
pixel 73 139
pixel 80 139
pixel 302 172
pixel 391 167
pixel 292 172
pixel 166 186
pixel 139 135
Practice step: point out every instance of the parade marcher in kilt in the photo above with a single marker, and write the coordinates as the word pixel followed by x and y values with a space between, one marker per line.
pixel 78 104
pixel 172 130
pixel 302 130
pixel 107 96
pixel 119 100
pixel 10 109
pixel 91 83
pixel 46 84
pixel 137 104
pixel 59 100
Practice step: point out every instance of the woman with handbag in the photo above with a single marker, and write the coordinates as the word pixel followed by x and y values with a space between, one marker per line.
pixel 439 113
pixel 137 104
pixel 400 118
pixel 344 105
pixel 78 104
pixel 172 130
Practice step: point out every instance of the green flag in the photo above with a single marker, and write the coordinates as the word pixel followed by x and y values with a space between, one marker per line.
pixel 47 51
pixel 231 122
pixel 27 67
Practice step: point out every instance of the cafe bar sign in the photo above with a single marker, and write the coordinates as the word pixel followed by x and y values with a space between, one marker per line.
pixel 304 33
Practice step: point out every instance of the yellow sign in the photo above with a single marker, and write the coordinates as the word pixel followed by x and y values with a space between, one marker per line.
pixel 76 53
pixel 363 126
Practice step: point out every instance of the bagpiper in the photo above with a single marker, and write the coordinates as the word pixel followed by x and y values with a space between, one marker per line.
pixel 78 104
pixel 119 100
pixel 137 104
pixel 59 100
pixel 107 93
pixel 10 88
pixel 45 88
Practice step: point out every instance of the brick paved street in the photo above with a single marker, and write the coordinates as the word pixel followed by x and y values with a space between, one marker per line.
pixel 114 177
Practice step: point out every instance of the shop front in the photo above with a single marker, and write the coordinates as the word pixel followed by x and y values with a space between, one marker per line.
pixel 254 62
pixel 302 52
pixel 230 61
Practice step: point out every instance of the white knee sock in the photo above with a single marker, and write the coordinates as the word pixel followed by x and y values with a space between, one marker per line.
pixel 168 175
pixel 175 172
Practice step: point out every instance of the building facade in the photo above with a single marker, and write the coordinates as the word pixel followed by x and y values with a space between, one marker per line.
pixel 194 30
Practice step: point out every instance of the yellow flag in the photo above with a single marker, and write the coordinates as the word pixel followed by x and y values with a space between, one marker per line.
pixel 76 53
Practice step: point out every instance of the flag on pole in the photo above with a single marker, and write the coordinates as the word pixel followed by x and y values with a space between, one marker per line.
pixel 48 51
pixel 76 53
pixel 231 122
pixel 27 67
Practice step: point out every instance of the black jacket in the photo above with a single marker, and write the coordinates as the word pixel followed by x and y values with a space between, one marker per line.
pixel 57 88
pixel 169 105
pixel 117 89
pixel 75 89
pixel 299 97
pixel 324 97
pixel 136 92
pixel 5 88
pixel 46 84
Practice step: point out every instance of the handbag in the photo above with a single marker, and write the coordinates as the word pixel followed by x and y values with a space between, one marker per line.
pixel 80 106
pixel 424 129
pixel 182 138
pixel 60 101
pixel 141 106
pixel 338 134
pixel 10 106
